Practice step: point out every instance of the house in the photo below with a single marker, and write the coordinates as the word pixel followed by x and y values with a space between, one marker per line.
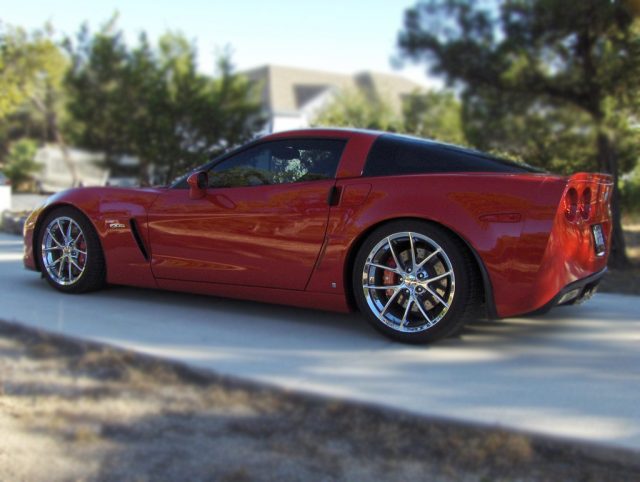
pixel 77 168
pixel 80 167
pixel 292 97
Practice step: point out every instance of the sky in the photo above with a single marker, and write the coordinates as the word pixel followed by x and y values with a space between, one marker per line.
pixel 335 35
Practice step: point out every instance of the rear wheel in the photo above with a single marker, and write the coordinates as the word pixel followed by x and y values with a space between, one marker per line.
pixel 415 282
pixel 71 257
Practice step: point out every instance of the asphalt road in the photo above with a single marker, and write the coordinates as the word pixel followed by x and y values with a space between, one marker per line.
pixel 574 372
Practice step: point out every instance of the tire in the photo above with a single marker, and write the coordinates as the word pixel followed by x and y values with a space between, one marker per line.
pixel 418 299
pixel 69 252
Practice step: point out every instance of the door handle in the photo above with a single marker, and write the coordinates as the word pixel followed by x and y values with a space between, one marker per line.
pixel 334 196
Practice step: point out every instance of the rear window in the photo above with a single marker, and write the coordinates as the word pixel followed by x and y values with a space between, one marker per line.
pixel 392 154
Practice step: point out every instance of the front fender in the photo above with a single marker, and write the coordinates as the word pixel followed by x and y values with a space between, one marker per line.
pixel 119 217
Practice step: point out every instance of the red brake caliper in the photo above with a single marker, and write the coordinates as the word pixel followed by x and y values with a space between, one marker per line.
pixel 389 278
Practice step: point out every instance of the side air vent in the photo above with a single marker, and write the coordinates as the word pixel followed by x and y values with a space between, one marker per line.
pixel 136 235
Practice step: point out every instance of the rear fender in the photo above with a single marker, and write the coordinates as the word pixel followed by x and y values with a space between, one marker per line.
pixel 490 212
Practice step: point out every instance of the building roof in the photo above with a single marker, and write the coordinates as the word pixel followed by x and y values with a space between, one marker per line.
pixel 391 88
pixel 286 90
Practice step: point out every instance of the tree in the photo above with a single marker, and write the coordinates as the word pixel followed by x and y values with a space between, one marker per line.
pixel 31 86
pixel 539 75
pixel 154 104
pixel 434 115
pixel 11 96
pixel 20 164
pixel 356 108
pixel 98 105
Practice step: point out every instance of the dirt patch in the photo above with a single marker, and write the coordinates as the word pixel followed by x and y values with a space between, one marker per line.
pixel 80 411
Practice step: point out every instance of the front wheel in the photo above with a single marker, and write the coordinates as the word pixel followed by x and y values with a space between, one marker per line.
pixel 415 282
pixel 71 257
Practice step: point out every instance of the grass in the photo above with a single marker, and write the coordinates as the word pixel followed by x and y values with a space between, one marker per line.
pixel 72 410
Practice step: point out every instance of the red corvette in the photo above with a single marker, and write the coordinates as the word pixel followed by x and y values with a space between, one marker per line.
pixel 416 234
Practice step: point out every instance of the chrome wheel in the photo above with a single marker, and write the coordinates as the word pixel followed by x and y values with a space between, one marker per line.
pixel 408 282
pixel 64 251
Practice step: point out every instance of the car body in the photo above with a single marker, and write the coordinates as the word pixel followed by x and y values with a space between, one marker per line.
pixel 291 224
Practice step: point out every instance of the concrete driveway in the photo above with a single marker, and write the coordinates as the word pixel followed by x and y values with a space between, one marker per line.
pixel 574 372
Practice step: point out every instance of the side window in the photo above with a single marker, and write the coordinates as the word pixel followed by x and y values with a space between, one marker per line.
pixel 248 168
pixel 395 155
pixel 279 162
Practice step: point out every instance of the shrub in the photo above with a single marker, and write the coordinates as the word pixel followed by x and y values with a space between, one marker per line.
pixel 21 164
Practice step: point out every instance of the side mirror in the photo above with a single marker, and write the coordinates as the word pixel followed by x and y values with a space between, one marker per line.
pixel 198 183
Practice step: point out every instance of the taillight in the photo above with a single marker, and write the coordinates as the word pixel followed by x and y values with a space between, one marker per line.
pixel 571 204
pixel 585 204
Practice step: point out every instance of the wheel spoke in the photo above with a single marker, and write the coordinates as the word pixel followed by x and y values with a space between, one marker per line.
pixel 60 266
pixel 81 252
pixel 406 312
pixel 52 248
pixel 437 297
pixel 53 238
pixel 55 262
pixel 439 277
pixel 393 253
pixel 61 230
pixel 69 230
pixel 75 264
pixel 389 301
pixel 413 252
pixel 381 266
pixel 424 313
pixel 425 260
pixel 69 268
